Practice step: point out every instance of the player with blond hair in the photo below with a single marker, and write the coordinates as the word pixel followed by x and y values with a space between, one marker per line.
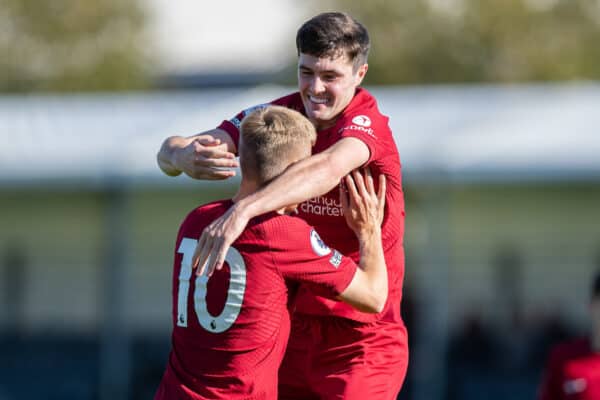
pixel 230 330
pixel 334 352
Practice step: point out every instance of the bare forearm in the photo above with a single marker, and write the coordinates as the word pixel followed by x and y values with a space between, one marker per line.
pixel 166 154
pixel 305 180
pixel 368 290
pixel 207 155
pixel 372 262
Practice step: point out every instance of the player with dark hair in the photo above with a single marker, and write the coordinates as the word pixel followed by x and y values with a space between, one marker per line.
pixel 573 368
pixel 230 331
pixel 334 351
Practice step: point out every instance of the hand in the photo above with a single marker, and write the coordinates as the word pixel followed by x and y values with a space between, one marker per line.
pixel 216 240
pixel 205 158
pixel 363 207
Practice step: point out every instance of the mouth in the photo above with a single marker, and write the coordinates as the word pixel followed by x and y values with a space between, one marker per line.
pixel 317 99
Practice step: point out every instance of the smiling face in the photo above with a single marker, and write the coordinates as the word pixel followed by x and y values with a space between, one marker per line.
pixel 327 85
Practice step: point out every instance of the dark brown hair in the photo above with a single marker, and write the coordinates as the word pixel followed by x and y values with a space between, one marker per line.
pixel 334 34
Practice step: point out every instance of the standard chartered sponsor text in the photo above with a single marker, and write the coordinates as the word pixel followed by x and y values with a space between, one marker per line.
pixel 323 206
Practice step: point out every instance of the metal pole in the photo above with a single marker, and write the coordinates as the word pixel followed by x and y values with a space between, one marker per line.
pixel 115 358
pixel 431 325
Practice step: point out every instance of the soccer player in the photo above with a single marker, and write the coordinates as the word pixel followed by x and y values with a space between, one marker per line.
pixel 230 331
pixel 334 351
pixel 573 368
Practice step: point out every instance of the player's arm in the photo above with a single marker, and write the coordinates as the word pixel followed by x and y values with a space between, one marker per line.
pixel 304 180
pixel 209 155
pixel 363 210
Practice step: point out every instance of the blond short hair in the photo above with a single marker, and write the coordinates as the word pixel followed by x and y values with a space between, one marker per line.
pixel 272 138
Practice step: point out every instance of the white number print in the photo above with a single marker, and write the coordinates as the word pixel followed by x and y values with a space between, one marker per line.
pixel 235 293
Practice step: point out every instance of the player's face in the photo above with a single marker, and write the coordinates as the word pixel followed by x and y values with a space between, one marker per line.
pixel 327 86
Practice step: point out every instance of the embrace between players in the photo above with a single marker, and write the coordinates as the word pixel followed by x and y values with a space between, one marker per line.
pixel 263 308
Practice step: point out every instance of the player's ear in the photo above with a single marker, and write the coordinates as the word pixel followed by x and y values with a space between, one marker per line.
pixel 361 72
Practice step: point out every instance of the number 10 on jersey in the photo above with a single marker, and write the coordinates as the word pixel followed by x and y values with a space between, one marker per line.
pixel 235 292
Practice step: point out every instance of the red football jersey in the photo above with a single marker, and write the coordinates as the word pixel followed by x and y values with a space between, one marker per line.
pixel 230 331
pixel 572 373
pixel 361 119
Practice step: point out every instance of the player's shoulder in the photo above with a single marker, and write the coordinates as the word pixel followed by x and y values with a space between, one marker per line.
pixel 290 234
pixel 206 213
pixel 214 207
pixel 363 114
pixel 283 229
pixel 291 100
pixel 276 223
pixel 365 103
pixel 362 120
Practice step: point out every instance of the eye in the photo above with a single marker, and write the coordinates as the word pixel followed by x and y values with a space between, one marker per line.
pixel 329 77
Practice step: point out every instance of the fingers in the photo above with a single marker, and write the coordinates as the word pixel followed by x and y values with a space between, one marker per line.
pixel 201 253
pixel 211 174
pixel 203 258
pixel 369 181
pixel 210 163
pixel 208 140
pixel 209 255
pixel 344 197
pixel 197 252
pixel 363 205
pixel 215 241
pixel 213 156
pixel 365 190
pixel 219 256
pixel 381 196
pixel 215 162
pixel 354 197
pixel 210 263
pixel 359 181
pixel 382 189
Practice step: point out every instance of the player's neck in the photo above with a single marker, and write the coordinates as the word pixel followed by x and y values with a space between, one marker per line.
pixel 246 189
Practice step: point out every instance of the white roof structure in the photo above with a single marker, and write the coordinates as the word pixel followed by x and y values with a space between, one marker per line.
pixel 490 133
pixel 451 134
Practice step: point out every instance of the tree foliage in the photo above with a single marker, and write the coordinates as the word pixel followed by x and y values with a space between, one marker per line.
pixel 71 45
pixel 430 41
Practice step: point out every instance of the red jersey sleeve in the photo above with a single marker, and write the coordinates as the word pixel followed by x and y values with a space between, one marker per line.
pixel 370 128
pixel 363 120
pixel 301 256
pixel 232 126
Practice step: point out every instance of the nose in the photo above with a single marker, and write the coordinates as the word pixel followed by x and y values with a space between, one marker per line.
pixel 316 85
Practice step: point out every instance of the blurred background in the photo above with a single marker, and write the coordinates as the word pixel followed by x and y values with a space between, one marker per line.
pixel 494 106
